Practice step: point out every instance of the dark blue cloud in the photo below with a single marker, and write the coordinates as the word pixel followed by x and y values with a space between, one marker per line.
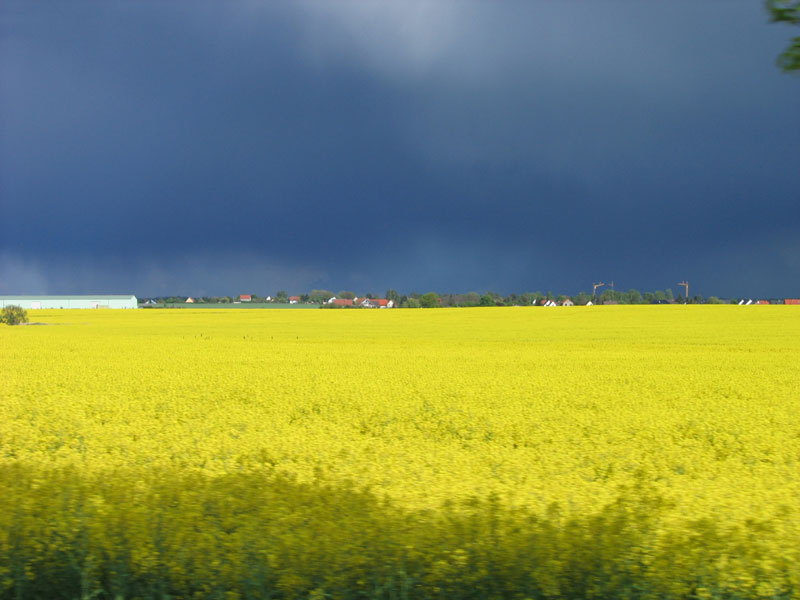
pixel 176 147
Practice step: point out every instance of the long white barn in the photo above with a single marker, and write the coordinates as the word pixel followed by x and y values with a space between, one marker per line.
pixel 99 301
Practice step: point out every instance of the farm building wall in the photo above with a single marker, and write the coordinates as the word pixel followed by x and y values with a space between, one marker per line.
pixel 37 302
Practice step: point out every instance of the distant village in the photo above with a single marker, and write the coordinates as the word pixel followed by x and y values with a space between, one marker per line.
pixel 393 299
pixel 332 302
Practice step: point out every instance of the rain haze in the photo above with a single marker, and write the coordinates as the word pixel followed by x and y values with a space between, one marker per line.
pixel 209 148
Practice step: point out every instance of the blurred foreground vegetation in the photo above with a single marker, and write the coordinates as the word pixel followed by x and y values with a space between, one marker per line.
pixel 787 11
pixel 174 534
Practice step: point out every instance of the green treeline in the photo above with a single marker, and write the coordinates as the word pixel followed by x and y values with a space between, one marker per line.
pixel 433 299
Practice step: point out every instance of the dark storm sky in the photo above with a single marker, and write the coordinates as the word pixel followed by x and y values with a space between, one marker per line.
pixel 201 147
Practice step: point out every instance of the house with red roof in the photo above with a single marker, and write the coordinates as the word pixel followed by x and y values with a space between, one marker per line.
pixel 294 299
pixel 375 303
pixel 341 302
pixel 362 302
pixel 245 298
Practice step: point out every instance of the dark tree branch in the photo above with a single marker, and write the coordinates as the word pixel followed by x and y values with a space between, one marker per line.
pixel 787 11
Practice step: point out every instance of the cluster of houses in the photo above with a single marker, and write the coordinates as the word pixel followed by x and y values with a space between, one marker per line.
pixel 249 298
pixel 384 303
pixel 546 302
pixel 334 301
pixel 568 302
pixel 785 301
pixel 361 302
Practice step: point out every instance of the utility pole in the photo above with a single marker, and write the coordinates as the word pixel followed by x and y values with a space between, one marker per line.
pixel 613 295
pixel 686 285
pixel 594 289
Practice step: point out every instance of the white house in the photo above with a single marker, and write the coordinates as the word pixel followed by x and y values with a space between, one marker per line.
pixel 377 303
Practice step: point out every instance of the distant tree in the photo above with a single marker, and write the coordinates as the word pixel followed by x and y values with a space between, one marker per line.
pixel 668 293
pixel 487 300
pixel 634 296
pixel 581 298
pixel 525 299
pixel 282 297
pixel 561 298
pixel 410 303
pixel 787 11
pixel 713 300
pixel 346 295
pixel 449 300
pixel 606 296
pixel 393 296
pixel 649 297
pixel 660 295
pixel 304 297
pixel 320 296
pixel 429 300
pixel 13 315
pixel 470 299
pixel 464 300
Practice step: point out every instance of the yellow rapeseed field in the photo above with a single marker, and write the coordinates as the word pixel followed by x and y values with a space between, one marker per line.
pixel 631 451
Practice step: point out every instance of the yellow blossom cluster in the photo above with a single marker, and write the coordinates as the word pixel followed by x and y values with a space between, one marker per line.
pixel 608 451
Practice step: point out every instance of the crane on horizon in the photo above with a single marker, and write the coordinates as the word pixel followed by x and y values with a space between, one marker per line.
pixel 594 288
pixel 686 285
